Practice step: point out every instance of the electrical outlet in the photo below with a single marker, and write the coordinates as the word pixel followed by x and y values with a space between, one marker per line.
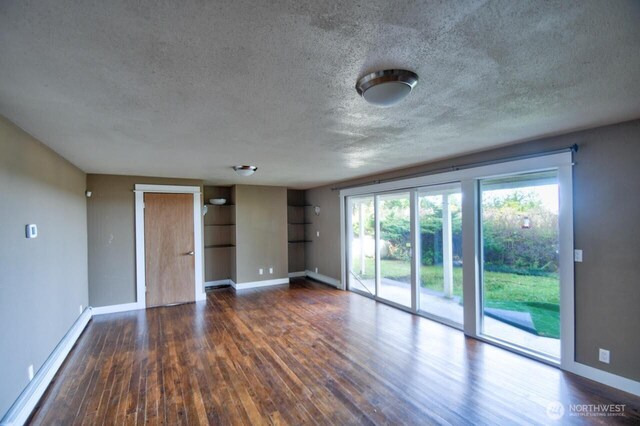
pixel 81 309
pixel 316 270
pixel 30 372
pixel 604 356
pixel 260 271
pixel 577 255
pixel 317 233
pixel 31 231
pixel 271 270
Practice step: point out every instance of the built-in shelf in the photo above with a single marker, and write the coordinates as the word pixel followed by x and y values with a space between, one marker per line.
pixel 219 234
pixel 298 221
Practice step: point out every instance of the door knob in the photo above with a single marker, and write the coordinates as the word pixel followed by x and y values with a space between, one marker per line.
pixel 190 253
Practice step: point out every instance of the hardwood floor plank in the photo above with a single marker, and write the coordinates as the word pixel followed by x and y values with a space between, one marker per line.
pixel 302 354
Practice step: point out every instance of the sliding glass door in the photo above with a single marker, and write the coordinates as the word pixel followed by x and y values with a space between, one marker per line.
pixel 440 242
pixel 382 262
pixel 519 234
pixel 362 244
pixel 404 246
pixel 520 261
pixel 394 247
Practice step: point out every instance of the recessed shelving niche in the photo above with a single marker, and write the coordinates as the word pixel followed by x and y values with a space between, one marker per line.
pixel 219 234
pixel 298 229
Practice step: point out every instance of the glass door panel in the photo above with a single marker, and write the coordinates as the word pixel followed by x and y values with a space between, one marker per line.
pixel 361 234
pixel 520 242
pixel 440 239
pixel 394 247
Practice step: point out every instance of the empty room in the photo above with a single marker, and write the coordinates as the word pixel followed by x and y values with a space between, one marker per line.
pixel 319 212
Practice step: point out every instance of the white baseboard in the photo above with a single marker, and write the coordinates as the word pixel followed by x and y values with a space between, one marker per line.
pixel 112 309
pixel 199 296
pixel 26 402
pixel 297 274
pixel 609 379
pixel 324 279
pixel 218 282
pixel 256 284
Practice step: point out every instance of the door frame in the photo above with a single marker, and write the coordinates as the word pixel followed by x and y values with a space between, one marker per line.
pixel 141 283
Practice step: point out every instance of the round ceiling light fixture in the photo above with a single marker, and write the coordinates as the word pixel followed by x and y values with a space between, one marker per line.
pixel 387 87
pixel 245 170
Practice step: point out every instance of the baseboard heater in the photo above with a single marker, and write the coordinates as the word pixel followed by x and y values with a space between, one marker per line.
pixel 21 410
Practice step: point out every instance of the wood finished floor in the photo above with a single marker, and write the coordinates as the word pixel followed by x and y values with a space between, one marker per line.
pixel 302 354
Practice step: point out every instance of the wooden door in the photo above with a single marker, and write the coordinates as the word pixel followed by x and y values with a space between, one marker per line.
pixel 169 248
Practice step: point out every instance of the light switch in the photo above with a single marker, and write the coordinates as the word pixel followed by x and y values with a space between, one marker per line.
pixel 577 255
pixel 31 230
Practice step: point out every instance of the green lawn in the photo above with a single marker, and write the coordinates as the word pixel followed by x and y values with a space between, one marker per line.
pixel 538 295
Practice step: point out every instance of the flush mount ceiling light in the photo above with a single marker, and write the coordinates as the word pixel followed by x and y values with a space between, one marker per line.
pixel 245 170
pixel 387 87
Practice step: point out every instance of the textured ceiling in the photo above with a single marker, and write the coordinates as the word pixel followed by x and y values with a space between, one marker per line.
pixel 189 88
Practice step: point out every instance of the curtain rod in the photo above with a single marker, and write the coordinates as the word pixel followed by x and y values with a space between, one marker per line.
pixel 572 148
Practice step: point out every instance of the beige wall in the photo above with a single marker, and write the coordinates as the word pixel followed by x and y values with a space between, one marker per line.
pixel 111 233
pixel 43 281
pixel 261 232
pixel 606 215
pixel 324 252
